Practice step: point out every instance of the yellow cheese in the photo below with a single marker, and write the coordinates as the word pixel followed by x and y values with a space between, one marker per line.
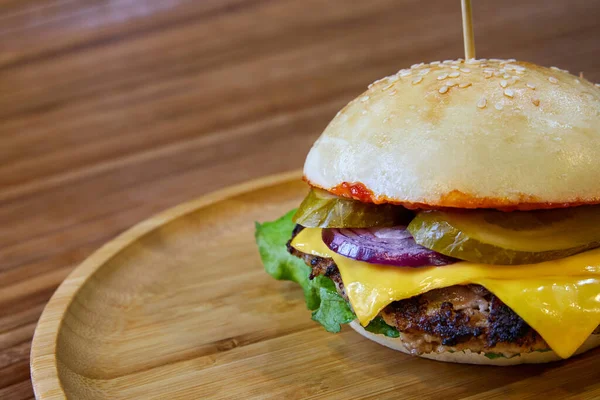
pixel 560 299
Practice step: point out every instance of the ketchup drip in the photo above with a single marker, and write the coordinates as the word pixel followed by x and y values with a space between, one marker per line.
pixel 356 191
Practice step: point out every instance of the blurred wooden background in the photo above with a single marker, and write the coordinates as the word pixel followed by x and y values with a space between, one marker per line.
pixel 112 110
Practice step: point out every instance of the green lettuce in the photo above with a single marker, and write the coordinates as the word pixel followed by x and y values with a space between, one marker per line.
pixel 333 309
pixel 328 307
pixel 493 356
pixel 271 239
pixel 378 325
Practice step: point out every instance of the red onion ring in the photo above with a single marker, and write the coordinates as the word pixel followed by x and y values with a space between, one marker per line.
pixel 388 246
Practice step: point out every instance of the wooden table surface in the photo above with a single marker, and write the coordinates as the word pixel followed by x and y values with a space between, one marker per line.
pixel 112 110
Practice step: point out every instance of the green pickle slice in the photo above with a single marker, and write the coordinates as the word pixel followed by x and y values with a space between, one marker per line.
pixel 321 209
pixel 509 238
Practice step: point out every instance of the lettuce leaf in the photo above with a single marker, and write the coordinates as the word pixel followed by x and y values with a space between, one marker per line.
pixel 378 325
pixel 333 309
pixel 271 239
pixel 493 356
pixel 329 308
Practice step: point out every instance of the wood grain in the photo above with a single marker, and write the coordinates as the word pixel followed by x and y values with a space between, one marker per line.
pixel 113 110
pixel 179 307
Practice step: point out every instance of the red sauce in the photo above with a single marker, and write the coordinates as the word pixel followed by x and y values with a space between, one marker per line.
pixel 356 191
pixel 452 200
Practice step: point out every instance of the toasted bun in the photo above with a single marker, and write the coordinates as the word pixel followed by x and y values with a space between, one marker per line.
pixel 481 133
pixel 468 357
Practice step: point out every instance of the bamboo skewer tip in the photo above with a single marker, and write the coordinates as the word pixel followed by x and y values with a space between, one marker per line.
pixel 468 35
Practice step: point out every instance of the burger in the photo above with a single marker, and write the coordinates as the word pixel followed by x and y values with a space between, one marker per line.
pixel 453 214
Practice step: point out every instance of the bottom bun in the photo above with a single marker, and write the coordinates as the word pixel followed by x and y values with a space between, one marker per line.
pixel 468 357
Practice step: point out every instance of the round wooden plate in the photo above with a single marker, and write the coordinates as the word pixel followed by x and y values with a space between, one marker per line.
pixel 179 307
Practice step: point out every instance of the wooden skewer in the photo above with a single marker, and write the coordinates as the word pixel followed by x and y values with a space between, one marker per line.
pixel 468 36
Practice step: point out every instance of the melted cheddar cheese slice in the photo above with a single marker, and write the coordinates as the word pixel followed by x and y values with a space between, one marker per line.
pixel 560 299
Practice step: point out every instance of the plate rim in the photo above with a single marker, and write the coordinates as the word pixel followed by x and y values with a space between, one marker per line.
pixel 43 361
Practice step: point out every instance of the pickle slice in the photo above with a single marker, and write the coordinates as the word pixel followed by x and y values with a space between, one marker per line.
pixel 321 209
pixel 518 237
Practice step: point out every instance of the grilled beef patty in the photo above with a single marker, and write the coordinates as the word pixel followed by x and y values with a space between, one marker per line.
pixel 455 318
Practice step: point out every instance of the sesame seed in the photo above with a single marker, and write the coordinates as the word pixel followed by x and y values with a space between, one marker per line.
pixel 473 61
pixel 482 102
pixel 531 86
pixel 364 98
pixel 496 60
pixel 447 61
pixel 488 75
pixel 456 62
pixel 497 74
pixel 393 92
pixel 451 83
pixel 465 85
pixel 393 78
pixel 509 93
pixel 417 80
pixel 405 72
pixel 442 77
pixel 498 106
pixel 559 69
pixel 370 85
pixel 424 71
pixel 434 62
pixel 454 75
pixel 506 76
pixel 416 65
pixel 552 79
pixel 503 83
pixel 520 71
pixel 454 67
pixel 502 70
pixel 511 60
pixel 535 101
pixel 387 87
pixel 465 70
pixel 443 89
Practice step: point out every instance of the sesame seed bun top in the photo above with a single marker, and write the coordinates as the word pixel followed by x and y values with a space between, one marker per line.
pixel 467 134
